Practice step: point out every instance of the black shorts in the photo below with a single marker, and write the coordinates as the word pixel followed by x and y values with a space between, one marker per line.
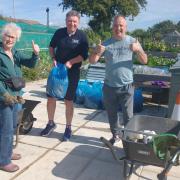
pixel 73 78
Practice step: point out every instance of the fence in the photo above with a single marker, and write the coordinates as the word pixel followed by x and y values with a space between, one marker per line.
pixel 37 32
pixel 42 39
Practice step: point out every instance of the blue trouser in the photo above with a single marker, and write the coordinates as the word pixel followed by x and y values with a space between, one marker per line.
pixel 114 97
pixel 8 123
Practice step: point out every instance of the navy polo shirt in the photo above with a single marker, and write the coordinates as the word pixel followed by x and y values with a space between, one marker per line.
pixel 69 46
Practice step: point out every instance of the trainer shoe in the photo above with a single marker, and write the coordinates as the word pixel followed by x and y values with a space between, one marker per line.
pixel 48 129
pixel 114 139
pixel 67 134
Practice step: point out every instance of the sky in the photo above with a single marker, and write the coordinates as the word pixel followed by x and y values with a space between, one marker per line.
pixel 155 12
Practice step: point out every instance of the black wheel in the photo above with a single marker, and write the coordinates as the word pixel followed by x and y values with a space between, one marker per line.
pixel 126 171
pixel 161 177
pixel 27 124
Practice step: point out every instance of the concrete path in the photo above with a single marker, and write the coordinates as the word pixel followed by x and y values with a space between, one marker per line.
pixel 82 158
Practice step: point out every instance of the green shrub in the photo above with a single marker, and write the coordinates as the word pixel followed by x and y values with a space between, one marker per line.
pixel 93 37
pixel 155 46
pixel 158 61
pixel 42 69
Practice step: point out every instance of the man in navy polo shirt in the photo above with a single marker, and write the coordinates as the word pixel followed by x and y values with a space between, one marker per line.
pixel 69 46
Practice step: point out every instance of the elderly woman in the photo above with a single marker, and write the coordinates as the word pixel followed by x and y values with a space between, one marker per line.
pixel 10 66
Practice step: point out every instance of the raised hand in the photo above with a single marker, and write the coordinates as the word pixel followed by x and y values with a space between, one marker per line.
pixel 99 49
pixel 142 56
pixel 136 47
pixel 35 48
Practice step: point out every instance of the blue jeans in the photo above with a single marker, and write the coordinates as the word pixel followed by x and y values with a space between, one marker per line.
pixel 114 97
pixel 8 123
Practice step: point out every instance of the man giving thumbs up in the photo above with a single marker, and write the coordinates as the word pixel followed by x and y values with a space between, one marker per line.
pixel 118 83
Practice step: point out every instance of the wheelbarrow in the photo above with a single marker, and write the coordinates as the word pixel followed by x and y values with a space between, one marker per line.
pixel 25 118
pixel 136 150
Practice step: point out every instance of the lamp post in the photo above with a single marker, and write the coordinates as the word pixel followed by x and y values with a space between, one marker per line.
pixel 47 11
pixel 13 9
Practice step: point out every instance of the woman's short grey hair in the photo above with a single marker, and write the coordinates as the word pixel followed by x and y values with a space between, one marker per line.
pixel 72 13
pixel 12 28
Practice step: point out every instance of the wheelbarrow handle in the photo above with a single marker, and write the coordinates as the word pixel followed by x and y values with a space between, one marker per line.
pixel 20 118
pixel 113 151
pixel 136 132
pixel 164 173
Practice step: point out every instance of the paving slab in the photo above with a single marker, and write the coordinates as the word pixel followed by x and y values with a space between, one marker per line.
pixel 29 155
pixel 56 165
pixel 84 157
pixel 83 142
pixel 102 170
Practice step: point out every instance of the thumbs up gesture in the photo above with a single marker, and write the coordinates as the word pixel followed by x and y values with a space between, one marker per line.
pixel 99 49
pixel 136 47
pixel 35 48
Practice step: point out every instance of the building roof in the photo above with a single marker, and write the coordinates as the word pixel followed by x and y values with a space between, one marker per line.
pixel 174 34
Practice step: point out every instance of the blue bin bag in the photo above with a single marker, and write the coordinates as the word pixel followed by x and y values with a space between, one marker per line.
pixel 138 100
pixel 62 71
pixel 56 85
pixel 81 91
pixel 93 96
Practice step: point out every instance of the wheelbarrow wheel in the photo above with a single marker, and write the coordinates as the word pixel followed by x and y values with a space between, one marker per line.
pixel 27 124
pixel 127 174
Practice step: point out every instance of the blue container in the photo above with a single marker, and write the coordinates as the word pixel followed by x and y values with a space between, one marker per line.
pixel 138 100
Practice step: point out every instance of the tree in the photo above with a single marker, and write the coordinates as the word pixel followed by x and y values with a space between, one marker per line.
pixel 162 28
pixel 101 12
pixel 1 17
pixel 141 35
